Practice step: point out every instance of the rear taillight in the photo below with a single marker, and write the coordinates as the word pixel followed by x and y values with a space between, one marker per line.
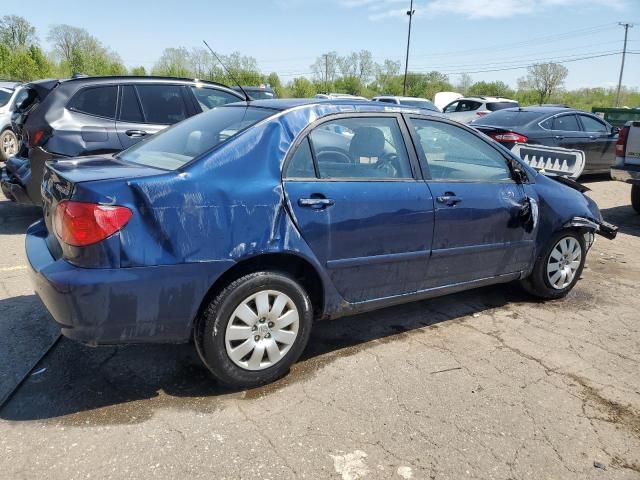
pixel 80 224
pixel 37 138
pixel 509 137
pixel 621 144
pixel 482 113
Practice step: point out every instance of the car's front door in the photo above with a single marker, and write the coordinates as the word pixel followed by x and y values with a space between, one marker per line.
pixel 356 197
pixel 480 231
pixel 600 151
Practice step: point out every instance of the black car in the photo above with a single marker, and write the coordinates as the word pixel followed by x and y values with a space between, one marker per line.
pixel 260 92
pixel 97 115
pixel 554 126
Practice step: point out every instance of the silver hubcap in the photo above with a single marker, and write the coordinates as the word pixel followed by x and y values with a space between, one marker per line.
pixel 262 330
pixel 9 144
pixel 563 262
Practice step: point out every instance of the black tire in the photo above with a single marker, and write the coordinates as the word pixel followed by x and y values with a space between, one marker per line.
pixel 538 284
pixel 211 329
pixel 8 136
pixel 635 197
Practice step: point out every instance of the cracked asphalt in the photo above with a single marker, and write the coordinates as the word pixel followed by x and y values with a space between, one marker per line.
pixel 486 384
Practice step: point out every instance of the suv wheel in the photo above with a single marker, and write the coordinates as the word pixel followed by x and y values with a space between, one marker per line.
pixel 8 145
pixel 255 329
pixel 559 267
pixel 635 197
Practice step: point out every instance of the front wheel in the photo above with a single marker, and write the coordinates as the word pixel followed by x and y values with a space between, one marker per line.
pixel 635 197
pixel 559 267
pixel 255 329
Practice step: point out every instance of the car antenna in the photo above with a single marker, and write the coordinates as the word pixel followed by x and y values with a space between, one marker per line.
pixel 246 96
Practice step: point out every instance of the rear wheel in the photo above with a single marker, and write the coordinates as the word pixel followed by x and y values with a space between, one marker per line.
pixel 255 329
pixel 559 267
pixel 8 145
pixel 635 197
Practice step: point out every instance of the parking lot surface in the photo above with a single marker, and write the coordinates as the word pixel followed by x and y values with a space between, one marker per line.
pixel 487 384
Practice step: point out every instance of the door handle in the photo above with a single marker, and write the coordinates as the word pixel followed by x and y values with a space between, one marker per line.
pixel 449 198
pixel 593 137
pixel 558 137
pixel 135 133
pixel 316 203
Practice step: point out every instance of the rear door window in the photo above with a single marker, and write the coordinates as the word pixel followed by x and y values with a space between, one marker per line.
pixel 361 148
pixel 451 107
pixel 99 101
pixel 209 98
pixel 468 106
pixel 566 123
pixel 162 104
pixel 130 110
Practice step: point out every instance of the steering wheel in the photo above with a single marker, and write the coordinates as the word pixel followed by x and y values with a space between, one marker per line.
pixel 336 156
pixel 388 164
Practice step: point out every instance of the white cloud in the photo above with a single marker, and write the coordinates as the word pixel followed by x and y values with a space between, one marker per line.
pixel 384 9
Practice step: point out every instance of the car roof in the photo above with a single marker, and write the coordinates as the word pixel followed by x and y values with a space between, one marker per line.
pixel 289 103
pixel 488 99
pixel 544 109
pixel 9 84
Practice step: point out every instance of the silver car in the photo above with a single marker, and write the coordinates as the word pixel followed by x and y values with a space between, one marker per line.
pixel 408 101
pixel 9 97
pixel 467 109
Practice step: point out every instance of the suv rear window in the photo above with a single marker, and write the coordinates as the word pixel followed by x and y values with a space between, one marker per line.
pixel 99 101
pixel 5 95
pixel 494 106
pixel 187 140
pixel 508 118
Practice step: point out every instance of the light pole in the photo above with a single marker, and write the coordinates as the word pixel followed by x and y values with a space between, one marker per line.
pixel 410 12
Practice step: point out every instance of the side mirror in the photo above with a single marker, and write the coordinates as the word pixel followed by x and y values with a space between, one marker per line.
pixel 615 130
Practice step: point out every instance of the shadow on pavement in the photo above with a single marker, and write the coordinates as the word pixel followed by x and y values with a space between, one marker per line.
pixel 14 218
pixel 625 217
pixel 83 385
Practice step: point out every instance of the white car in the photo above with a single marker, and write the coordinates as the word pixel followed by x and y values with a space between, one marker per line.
pixel 467 109
pixel 9 97
pixel 408 101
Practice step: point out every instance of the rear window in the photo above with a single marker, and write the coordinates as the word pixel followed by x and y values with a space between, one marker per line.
pixel 261 94
pixel 427 105
pixel 99 101
pixel 5 95
pixel 187 140
pixel 495 106
pixel 508 118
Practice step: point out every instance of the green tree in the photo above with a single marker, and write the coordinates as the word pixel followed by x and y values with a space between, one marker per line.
pixel 302 88
pixel 138 71
pixel 545 79
pixel 174 62
pixel 494 89
pixel 16 32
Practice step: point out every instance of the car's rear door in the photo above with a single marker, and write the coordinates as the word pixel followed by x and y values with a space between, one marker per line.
pixel 145 109
pixel 478 233
pixel 601 148
pixel 356 196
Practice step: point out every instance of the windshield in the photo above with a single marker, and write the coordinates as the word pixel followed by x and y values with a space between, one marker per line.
pixel 261 94
pixel 5 95
pixel 508 118
pixel 187 140
pixel 420 104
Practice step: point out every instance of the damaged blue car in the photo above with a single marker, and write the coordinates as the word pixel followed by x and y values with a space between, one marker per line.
pixel 238 228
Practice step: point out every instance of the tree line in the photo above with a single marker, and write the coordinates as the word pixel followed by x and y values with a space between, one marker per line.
pixel 74 50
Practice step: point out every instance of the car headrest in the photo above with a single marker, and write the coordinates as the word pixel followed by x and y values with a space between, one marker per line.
pixel 367 142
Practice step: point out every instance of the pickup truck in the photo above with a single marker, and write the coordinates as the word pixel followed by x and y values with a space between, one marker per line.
pixel 627 165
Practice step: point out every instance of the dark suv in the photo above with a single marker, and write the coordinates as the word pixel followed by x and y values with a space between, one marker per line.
pixel 97 115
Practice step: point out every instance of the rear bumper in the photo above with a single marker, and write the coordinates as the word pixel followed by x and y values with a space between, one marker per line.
pixel 100 306
pixel 628 174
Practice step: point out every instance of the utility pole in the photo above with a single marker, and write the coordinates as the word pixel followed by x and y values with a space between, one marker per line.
pixel 624 53
pixel 326 73
pixel 410 12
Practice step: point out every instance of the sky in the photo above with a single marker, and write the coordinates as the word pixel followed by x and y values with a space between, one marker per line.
pixel 286 36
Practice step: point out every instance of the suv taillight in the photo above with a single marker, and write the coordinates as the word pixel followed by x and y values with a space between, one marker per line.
pixel 621 144
pixel 37 138
pixel 80 224
pixel 482 113
pixel 509 137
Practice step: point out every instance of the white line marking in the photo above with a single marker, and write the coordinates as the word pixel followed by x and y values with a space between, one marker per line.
pixel 11 269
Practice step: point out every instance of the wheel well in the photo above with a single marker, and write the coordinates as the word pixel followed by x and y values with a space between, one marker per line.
pixel 297 267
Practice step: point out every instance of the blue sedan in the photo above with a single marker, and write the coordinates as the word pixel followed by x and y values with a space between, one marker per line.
pixel 239 227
